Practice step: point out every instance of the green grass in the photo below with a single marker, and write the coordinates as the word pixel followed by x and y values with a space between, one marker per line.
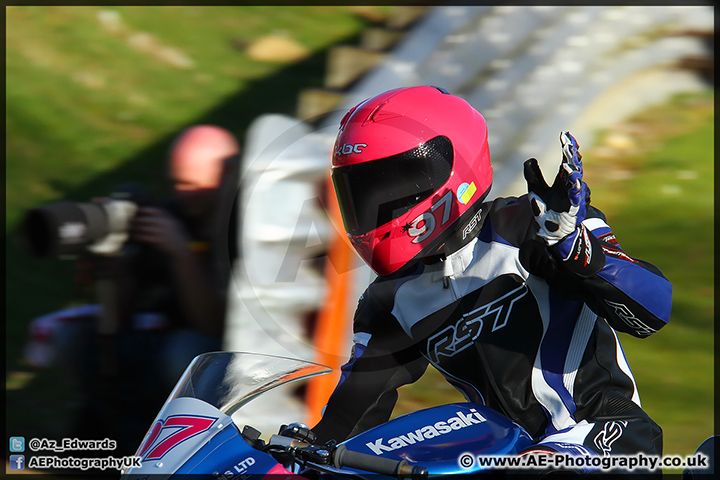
pixel 662 212
pixel 81 99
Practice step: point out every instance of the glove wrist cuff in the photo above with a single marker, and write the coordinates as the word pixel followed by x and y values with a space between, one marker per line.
pixel 580 252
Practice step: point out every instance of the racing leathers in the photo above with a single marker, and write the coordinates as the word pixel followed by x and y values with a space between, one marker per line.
pixel 511 328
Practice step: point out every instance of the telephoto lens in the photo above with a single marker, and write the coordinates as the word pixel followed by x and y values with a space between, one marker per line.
pixel 66 229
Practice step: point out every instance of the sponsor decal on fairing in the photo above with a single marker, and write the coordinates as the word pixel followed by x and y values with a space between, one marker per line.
pixel 460 421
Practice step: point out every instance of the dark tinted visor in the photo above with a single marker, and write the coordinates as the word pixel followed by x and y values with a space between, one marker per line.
pixel 373 193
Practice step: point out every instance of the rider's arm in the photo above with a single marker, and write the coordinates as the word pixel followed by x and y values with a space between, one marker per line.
pixel 383 359
pixel 631 294
pixel 584 256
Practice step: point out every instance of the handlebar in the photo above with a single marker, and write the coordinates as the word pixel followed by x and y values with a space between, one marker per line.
pixel 384 466
pixel 340 457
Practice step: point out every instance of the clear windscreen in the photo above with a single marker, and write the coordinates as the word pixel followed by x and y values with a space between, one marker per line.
pixel 229 380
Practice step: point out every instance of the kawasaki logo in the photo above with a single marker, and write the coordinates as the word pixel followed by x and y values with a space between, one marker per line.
pixel 429 431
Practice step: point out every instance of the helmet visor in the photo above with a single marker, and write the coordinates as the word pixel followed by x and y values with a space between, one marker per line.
pixel 372 194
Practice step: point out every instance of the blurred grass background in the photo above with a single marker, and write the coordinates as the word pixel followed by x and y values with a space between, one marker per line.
pixel 660 201
pixel 94 95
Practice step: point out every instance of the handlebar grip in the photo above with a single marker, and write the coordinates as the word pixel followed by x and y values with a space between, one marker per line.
pixel 384 466
pixel 347 458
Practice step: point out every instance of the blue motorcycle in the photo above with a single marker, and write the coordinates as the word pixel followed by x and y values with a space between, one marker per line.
pixel 195 434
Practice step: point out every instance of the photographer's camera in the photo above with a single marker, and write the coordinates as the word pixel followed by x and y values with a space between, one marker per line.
pixel 67 229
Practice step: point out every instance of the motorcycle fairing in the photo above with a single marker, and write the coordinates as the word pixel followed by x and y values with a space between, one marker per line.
pixel 230 456
pixel 181 428
pixel 437 437
pixel 194 431
pixel 217 446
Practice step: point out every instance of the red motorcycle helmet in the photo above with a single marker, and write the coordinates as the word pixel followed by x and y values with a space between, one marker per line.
pixel 410 167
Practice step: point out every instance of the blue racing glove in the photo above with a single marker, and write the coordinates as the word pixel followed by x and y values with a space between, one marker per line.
pixel 559 211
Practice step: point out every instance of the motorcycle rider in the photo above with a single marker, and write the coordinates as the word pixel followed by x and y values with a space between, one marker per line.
pixel 516 301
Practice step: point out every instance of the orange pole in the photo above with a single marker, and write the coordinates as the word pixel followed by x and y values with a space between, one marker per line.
pixel 333 320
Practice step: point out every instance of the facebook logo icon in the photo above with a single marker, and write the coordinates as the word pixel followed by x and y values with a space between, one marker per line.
pixel 17 462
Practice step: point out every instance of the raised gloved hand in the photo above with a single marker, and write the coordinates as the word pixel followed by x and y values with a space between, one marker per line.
pixel 560 209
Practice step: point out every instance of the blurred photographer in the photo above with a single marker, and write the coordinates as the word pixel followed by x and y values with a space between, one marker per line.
pixel 186 233
pixel 160 291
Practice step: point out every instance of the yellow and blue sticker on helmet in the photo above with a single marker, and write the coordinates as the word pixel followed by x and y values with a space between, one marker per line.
pixel 465 192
